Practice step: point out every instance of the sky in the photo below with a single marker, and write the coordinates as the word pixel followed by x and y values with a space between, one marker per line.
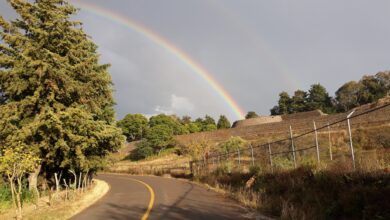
pixel 253 49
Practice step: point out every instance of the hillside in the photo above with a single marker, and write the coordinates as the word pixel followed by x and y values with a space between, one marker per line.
pixel 300 123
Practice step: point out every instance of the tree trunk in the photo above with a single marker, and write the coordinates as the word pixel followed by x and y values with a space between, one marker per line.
pixel 33 180
pixel 18 199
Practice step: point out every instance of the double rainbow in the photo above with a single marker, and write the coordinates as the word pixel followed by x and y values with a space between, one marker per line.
pixel 168 46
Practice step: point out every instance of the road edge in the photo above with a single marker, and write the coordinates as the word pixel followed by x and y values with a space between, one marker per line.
pixel 99 191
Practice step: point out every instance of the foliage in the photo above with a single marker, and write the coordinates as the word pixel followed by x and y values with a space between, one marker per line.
pixel 251 114
pixel 134 126
pixel 232 144
pixel 284 103
pixel 368 89
pixel 198 150
pixel 15 163
pixel 223 122
pixel 160 137
pixel 318 98
pixel 142 151
pixel 194 127
pixel 298 101
pixel 170 121
pixel 209 127
pixel 58 98
pixel 348 96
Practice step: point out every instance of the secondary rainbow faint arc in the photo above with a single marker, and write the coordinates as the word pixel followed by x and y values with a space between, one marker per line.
pixel 159 40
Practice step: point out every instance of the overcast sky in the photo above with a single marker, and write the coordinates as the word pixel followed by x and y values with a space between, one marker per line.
pixel 254 49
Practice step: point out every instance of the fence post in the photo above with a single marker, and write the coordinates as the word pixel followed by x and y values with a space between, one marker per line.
pixel 270 157
pixel 350 139
pixel 253 159
pixel 239 159
pixel 318 148
pixel 330 144
pixel 293 147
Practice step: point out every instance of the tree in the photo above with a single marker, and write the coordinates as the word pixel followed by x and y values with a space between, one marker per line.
pixel 194 127
pixel 160 137
pixel 299 101
pixel 348 96
pixel 275 110
pixel 169 121
pixel 251 114
pixel 233 144
pixel 208 120
pixel 319 98
pixel 223 122
pixel 284 103
pixel 133 126
pixel 383 79
pixel 209 127
pixel 185 120
pixel 58 97
pixel 142 150
pixel 15 163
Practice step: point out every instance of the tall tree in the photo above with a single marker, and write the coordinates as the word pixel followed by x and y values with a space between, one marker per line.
pixel 208 124
pixel 251 114
pixel 223 122
pixel 58 97
pixel 133 126
pixel 284 103
pixel 299 101
pixel 318 98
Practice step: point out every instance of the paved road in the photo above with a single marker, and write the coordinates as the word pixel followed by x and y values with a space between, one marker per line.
pixel 152 198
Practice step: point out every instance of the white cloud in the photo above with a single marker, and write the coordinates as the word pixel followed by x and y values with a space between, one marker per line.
pixel 179 105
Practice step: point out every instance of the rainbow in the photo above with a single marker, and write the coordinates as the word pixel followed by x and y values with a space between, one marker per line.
pixel 168 46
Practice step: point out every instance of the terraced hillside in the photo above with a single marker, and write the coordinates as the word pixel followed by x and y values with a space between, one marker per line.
pixel 300 123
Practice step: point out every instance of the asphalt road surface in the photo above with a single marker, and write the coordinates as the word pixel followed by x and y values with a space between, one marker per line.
pixel 152 198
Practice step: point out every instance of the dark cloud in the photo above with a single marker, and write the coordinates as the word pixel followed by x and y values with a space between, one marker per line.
pixel 255 49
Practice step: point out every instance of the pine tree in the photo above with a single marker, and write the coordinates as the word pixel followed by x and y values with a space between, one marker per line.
pixel 57 97
pixel 223 122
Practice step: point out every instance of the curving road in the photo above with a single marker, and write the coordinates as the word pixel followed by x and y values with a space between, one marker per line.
pixel 152 198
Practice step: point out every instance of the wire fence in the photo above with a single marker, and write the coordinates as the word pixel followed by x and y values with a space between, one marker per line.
pixel 358 141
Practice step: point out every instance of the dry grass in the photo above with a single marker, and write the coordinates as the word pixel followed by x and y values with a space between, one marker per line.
pixel 308 194
pixel 60 209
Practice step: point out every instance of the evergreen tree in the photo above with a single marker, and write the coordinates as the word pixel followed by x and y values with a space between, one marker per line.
pixel 223 122
pixel 284 103
pixel 299 101
pixel 251 114
pixel 319 98
pixel 57 97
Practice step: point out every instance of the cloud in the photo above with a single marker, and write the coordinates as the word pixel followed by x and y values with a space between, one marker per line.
pixel 179 105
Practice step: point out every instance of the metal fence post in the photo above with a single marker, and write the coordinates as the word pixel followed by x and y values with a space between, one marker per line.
pixel 330 144
pixel 270 157
pixel 253 159
pixel 318 148
pixel 293 147
pixel 350 140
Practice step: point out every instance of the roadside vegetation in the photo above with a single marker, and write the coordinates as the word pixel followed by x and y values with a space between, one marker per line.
pixel 57 121
pixel 156 134
pixel 326 189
